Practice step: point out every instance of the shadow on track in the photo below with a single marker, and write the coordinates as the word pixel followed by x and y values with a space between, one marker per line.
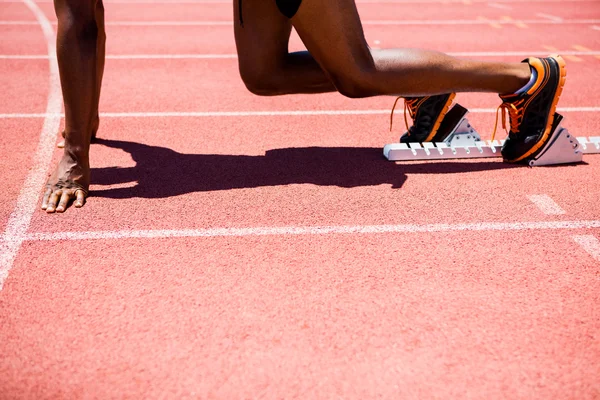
pixel 161 172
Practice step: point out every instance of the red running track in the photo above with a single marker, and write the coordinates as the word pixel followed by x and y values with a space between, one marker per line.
pixel 280 256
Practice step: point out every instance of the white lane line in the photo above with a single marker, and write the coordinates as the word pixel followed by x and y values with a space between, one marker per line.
pixel 23 57
pixel 228 2
pixel 522 53
pixel 546 204
pixel 20 218
pixel 553 18
pixel 597 28
pixel 315 230
pixel 130 56
pixel 474 54
pixel 31 115
pixel 168 114
pixel 32 22
pixel 589 244
pixel 547 20
pixel 154 2
pixel 481 22
pixel 500 6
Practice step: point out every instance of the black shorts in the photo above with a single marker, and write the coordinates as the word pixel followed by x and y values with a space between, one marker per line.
pixel 288 7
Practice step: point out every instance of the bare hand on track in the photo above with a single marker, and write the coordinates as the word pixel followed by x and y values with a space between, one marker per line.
pixel 70 181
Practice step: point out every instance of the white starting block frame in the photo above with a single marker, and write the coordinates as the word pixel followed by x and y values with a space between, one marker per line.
pixel 464 142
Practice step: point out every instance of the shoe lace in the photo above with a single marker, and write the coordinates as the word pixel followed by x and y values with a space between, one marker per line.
pixel 515 113
pixel 410 104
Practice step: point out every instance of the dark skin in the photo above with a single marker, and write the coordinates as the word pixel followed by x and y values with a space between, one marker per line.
pixel 338 59
pixel 81 51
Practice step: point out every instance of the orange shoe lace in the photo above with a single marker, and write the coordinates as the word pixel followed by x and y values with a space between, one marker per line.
pixel 515 114
pixel 412 105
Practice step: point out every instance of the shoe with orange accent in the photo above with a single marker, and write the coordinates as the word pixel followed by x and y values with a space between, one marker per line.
pixel 532 113
pixel 427 114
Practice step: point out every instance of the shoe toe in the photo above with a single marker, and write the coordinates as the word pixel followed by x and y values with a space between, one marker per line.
pixel 509 150
pixel 406 138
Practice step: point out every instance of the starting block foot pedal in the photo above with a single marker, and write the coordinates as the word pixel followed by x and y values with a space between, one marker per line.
pixel 455 129
pixel 562 148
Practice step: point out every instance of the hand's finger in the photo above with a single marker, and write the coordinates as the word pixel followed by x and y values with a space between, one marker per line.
pixel 46 197
pixel 64 200
pixel 80 194
pixel 53 200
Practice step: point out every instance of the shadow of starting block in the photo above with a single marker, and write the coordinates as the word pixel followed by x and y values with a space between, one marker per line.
pixel 461 141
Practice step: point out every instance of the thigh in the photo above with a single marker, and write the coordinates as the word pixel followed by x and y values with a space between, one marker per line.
pixel 262 40
pixel 332 32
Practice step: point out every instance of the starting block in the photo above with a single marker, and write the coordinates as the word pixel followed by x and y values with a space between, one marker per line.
pixel 461 141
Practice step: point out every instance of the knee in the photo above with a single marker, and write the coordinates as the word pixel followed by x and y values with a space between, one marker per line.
pixel 77 17
pixel 259 82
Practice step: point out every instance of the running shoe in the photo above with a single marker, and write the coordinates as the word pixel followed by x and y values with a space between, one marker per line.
pixel 427 114
pixel 531 113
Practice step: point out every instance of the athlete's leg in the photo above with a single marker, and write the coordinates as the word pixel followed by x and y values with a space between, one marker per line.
pixel 266 66
pixel 332 32
pixel 100 54
pixel 99 69
pixel 77 52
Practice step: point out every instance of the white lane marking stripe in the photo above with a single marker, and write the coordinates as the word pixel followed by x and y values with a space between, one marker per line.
pixel 481 22
pixel 134 56
pixel 24 57
pixel 546 204
pixel 522 53
pixel 32 22
pixel 550 17
pixel 589 244
pixel 315 230
pixel 543 21
pixel 597 28
pixel 20 218
pixel 234 56
pixel 500 6
pixel 168 114
pixel 228 2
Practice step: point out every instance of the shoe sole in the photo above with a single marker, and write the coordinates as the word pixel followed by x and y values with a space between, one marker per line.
pixel 546 136
pixel 441 117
